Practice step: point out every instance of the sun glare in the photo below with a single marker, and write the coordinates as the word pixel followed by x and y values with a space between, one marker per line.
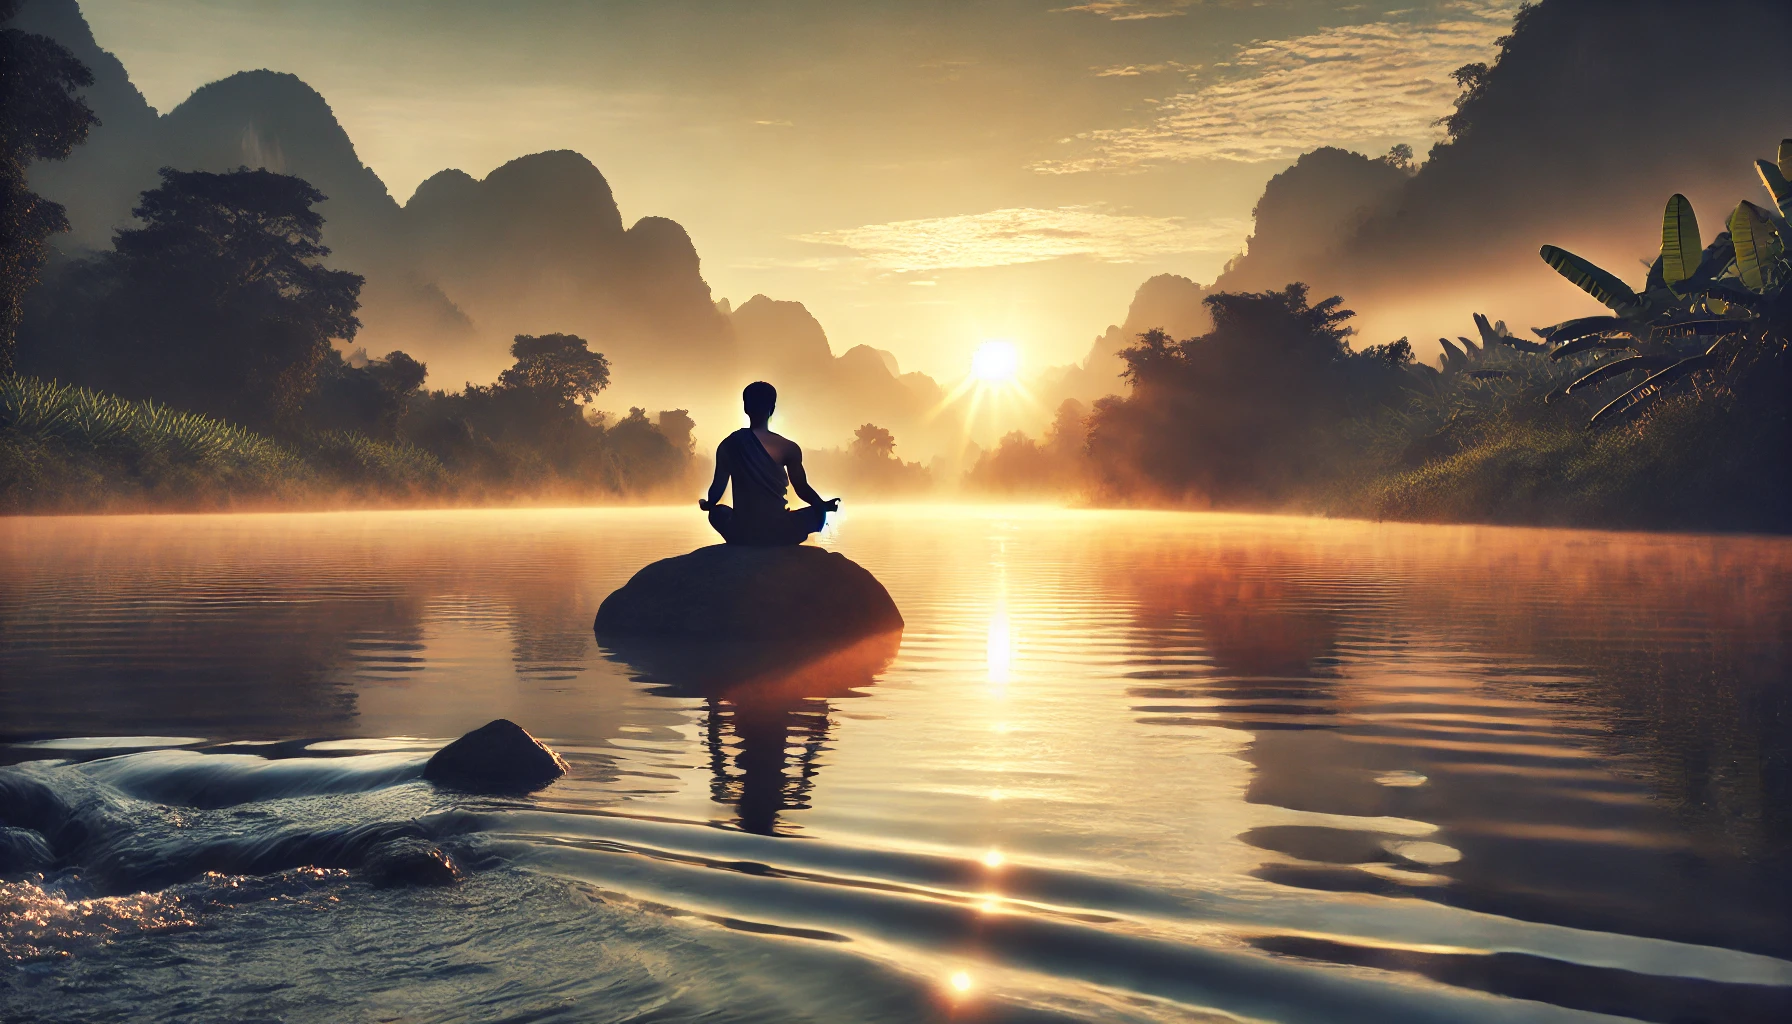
pixel 995 362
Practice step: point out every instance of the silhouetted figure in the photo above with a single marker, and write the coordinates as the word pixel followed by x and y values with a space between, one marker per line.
pixel 761 463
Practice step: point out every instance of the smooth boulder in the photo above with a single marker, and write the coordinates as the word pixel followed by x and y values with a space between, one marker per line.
pixel 498 757
pixel 738 592
pixel 410 861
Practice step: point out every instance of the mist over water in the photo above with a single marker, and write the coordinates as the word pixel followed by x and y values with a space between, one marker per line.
pixel 1118 766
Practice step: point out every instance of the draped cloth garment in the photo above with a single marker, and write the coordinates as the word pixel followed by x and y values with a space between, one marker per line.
pixel 759 515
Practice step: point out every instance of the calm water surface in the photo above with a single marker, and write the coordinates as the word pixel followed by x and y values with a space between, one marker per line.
pixel 1119 766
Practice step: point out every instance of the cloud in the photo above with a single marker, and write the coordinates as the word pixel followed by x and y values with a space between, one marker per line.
pixel 1133 70
pixel 1028 235
pixel 1130 10
pixel 1278 98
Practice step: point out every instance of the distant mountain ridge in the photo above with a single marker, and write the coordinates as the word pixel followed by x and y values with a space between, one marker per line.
pixel 536 246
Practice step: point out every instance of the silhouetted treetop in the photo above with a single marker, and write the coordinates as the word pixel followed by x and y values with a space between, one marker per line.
pixel 41 118
pixel 243 228
pixel 218 303
pixel 871 441
pixel 559 367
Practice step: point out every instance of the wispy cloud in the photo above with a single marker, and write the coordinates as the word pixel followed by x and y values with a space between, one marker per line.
pixel 1277 98
pixel 1028 235
pixel 1130 10
pixel 1133 70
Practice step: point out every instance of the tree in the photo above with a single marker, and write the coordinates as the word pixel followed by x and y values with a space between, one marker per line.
pixel 41 118
pixel 1069 430
pixel 874 443
pixel 220 302
pixel 1238 413
pixel 558 368
pixel 370 396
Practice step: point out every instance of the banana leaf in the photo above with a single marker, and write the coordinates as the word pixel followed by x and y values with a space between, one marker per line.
pixel 1599 283
pixel 1651 386
pixel 1593 341
pixel 1717 259
pixel 1571 330
pixel 1777 186
pixel 1473 350
pixel 1754 238
pixel 1452 354
pixel 1785 155
pixel 1727 289
pixel 1681 250
pixel 1488 335
pixel 1557 391
pixel 1707 324
pixel 1521 344
pixel 1612 367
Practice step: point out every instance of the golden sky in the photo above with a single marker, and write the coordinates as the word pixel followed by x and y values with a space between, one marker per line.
pixel 922 175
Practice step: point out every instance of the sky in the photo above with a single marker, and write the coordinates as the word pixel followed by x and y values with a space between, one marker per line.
pixel 924 176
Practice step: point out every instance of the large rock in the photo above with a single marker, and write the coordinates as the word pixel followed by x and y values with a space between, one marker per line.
pixel 498 757
pixel 409 861
pixel 738 592
pixel 756 670
pixel 23 852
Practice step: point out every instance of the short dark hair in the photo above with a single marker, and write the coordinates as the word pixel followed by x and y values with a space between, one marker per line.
pixel 759 398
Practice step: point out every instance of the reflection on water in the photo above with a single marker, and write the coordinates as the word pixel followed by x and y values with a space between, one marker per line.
pixel 760 699
pixel 1119 766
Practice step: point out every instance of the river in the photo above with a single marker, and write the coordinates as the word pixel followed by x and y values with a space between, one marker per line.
pixel 1119 766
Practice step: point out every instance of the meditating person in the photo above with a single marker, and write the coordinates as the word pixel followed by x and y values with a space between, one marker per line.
pixel 760 463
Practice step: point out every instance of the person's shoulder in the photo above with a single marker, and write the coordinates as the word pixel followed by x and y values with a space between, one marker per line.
pixel 791 449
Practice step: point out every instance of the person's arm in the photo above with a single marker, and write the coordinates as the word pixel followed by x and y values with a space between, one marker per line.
pixel 720 483
pixel 799 482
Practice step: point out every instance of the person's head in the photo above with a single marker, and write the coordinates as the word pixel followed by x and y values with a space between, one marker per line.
pixel 759 399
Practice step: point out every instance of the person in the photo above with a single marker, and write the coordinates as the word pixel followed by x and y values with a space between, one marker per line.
pixel 761 463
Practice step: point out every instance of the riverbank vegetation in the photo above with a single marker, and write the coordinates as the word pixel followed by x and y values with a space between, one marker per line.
pixel 1672 411
pixel 199 362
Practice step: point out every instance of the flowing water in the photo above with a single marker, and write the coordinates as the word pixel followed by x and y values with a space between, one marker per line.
pixel 1118 767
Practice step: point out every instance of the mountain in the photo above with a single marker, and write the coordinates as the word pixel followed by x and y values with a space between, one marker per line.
pixel 1593 113
pixel 275 121
pixel 538 245
pixel 1306 213
pixel 825 397
pixel 1167 301
pixel 100 182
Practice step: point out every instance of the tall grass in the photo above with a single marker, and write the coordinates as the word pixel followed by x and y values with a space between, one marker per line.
pixel 66 448
pixel 83 420
pixel 1691 464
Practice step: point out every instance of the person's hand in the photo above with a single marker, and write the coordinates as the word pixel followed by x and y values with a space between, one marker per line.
pixel 703 503
pixel 832 504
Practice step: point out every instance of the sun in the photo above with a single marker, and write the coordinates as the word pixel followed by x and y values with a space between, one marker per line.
pixel 995 362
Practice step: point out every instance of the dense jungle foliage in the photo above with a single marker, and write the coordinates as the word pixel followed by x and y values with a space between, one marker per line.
pixel 196 364
pixel 1669 412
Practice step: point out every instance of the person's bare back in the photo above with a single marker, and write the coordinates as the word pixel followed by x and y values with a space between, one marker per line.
pixel 759 515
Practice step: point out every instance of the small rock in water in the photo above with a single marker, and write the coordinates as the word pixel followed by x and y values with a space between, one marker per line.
pixel 738 592
pixel 498 757
pixel 410 862
pixel 23 852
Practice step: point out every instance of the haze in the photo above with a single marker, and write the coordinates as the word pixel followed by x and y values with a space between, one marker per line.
pixel 921 178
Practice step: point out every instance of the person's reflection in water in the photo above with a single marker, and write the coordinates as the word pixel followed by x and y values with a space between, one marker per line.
pixel 763 786
pixel 761 463
pixel 760 702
